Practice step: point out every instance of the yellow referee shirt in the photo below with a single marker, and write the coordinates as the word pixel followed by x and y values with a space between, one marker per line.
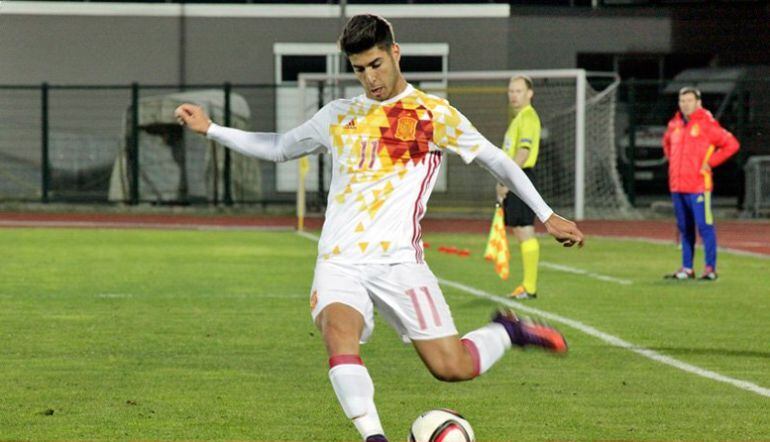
pixel 523 133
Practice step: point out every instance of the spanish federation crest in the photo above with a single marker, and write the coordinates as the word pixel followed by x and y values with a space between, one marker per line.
pixel 406 129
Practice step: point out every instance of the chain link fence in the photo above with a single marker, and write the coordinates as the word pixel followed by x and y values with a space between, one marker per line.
pixel 120 144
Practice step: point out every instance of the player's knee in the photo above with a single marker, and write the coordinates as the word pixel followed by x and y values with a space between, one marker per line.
pixel 451 372
pixel 523 233
pixel 340 338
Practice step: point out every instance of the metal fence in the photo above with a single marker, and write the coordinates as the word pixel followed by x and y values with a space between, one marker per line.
pixel 119 143
pixel 100 144
pixel 757 199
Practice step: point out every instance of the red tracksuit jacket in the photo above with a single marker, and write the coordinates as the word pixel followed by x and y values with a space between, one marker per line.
pixel 688 146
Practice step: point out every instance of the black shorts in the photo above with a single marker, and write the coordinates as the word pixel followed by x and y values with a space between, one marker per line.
pixel 517 213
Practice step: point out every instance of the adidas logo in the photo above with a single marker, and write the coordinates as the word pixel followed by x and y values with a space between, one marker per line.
pixel 351 124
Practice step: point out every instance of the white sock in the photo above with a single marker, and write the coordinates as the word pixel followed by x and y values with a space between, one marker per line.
pixel 355 391
pixel 487 345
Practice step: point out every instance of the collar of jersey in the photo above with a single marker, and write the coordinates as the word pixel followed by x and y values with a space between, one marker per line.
pixel 408 90
pixel 523 109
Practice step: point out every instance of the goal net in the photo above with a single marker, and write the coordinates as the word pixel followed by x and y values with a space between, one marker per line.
pixel 576 168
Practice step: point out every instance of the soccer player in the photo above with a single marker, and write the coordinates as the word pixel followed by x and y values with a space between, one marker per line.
pixel 386 147
pixel 521 143
pixel 695 143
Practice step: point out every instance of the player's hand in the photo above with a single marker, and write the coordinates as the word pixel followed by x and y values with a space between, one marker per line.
pixel 193 117
pixel 502 192
pixel 564 230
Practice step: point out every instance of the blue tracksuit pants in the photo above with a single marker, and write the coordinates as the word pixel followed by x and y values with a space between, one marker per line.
pixel 694 210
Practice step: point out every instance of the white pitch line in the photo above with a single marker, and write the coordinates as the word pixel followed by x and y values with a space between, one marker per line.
pixel 577 271
pixel 307 235
pixel 614 340
pixel 609 339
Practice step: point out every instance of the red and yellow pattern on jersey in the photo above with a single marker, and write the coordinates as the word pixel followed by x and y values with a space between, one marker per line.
pixel 385 158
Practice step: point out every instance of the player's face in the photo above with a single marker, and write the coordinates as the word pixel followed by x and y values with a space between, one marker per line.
pixel 378 71
pixel 518 94
pixel 688 104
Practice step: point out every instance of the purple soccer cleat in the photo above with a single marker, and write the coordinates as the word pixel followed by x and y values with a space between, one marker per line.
pixel 525 332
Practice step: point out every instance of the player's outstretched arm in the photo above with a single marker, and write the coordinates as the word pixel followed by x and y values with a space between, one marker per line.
pixel 507 172
pixel 298 142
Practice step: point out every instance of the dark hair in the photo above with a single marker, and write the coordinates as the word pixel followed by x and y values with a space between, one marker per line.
pixel 365 31
pixel 690 90
pixel 525 78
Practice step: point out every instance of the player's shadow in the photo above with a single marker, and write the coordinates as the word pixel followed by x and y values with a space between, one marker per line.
pixel 712 351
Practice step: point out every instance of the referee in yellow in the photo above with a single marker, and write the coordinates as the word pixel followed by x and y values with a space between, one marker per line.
pixel 521 143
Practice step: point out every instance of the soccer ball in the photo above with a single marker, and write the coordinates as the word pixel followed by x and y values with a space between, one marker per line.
pixel 443 425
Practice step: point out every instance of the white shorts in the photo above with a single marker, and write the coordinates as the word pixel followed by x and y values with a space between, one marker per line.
pixel 406 295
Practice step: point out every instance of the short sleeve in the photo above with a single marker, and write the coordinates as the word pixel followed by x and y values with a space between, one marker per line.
pixel 529 130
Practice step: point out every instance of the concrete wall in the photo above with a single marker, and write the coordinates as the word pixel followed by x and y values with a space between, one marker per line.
pixel 88 50
pixel 549 42
pixel 93 49
pixel 240 50
pixel 65 49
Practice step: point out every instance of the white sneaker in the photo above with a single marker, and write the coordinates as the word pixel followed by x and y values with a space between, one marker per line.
pixel 681 274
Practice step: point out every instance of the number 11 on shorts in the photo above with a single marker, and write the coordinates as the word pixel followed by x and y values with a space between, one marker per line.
pixel 423 294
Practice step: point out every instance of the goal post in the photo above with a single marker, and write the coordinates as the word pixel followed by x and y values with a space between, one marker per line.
pixel 576 168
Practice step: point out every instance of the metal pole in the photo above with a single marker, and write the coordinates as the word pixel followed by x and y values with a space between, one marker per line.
pixel 45 167
pixel 580 145
pixel 300 176
pixel 757 188
pixel 134 147
pixel 182 45
pixel 343 21
pixel 228 197
pixel 321 196
pixel 631 149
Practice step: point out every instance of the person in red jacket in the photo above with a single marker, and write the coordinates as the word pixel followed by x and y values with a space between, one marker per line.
pixel 694 144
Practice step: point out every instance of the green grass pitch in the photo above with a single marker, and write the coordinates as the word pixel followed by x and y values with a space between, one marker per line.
pixel 206 335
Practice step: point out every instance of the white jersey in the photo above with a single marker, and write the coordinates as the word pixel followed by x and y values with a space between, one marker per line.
pixel 385 159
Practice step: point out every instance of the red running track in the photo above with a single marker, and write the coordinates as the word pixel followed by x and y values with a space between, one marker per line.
pixel 748 236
